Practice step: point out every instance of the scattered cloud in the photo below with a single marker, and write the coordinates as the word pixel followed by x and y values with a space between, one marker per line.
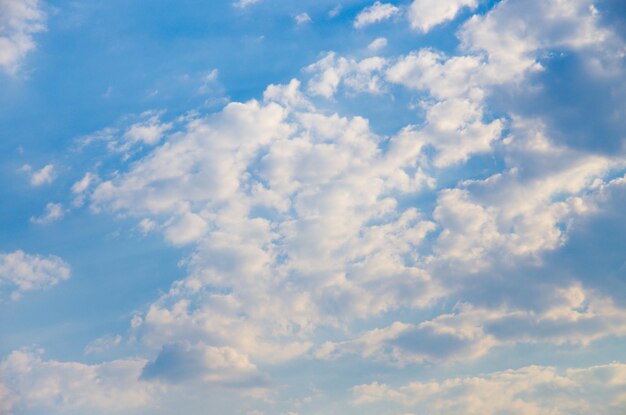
pixel 20 272
pixel 40 177
pixel 302 19
pixel 375 13
pixel 54 211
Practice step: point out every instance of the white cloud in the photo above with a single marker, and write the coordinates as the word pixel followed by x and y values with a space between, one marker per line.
pixel 40 177
pixel 23 272
pixel 299 219
pixel 302 19
pixel 359 76
pixel 531 390
pixel 375 13
pixel 147 132
pixel 572 316
pixel 54 211
pixel 31 382
pixel 331 223
pixel 426 14
pixel 244 3
pixel 19 21
pixel 377 44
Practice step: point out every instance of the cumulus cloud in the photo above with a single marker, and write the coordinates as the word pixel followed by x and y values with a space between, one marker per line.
pixel 331 71
pixel 298 219
pixel 377 12
pixel 426 14
pixel 54 211
pixel 29 381
pixel 526 391
pixel 20 272
pixel 19 22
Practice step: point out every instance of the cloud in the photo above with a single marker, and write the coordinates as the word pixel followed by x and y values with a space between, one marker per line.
pixel 29 381
pixel 147 132
pixel 40 177
pixel 377 44
pixel 24 272
pixel 19 21
pixel 571 315
pixel 426 14
pixel 54 211
pixel 244 3
pixel 375 13
pixel 527 391
pixel 182 362
pixel 302 19
pixel 298 220
pixel 300 195
pixel 331 71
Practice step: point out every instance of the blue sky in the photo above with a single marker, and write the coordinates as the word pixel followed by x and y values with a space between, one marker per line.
pixel 268 207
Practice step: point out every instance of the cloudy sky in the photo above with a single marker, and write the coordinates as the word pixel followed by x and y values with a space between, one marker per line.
pixel 313 207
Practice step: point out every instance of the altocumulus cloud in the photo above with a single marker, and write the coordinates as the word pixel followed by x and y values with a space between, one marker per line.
pixel 304 242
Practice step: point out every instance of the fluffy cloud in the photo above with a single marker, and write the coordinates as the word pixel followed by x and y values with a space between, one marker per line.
pixel 530 390
pixel 23 272
pixel 19 21
pixel 27 381
pixel 332 71
pixel 425 14
pixel 299 220
pixel 375 13
pixel 284 203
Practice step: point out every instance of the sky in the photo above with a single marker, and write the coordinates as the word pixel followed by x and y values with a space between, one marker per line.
pixel 312 207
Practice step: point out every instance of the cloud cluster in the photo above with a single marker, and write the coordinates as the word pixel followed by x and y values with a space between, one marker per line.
pixel 299 220
pixel 30 382
pixel 531 390
pixel 20 272
pixel 571 315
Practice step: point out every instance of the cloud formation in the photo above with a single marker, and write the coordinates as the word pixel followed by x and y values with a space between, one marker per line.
pixel 19 22
pixel 375 13
pixel 531 390
pixel 20 272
